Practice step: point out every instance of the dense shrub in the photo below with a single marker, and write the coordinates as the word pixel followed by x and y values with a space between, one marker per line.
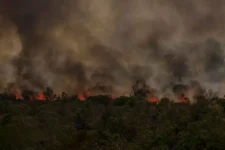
pixel 103 123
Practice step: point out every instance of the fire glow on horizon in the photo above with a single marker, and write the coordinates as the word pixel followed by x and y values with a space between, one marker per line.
pixel 84 96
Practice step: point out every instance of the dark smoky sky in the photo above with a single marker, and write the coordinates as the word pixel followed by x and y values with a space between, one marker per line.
pixel 73 45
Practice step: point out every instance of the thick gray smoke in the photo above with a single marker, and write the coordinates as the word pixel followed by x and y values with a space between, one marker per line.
pixel 73 45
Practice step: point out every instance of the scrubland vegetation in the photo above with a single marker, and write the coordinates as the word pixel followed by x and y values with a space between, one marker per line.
pixel 100 123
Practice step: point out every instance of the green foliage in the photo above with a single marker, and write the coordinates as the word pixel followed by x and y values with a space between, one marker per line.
pixel 101 123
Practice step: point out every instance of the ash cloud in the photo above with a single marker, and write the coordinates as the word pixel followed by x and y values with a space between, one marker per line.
pixel 73 45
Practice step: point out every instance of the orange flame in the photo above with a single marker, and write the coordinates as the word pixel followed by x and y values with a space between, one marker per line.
pixel 41 97
pixel 183 99
pixel 154 100
pixel 84 96
pixel 18 96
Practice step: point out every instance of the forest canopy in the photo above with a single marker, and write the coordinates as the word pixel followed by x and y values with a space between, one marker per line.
pixel 100 122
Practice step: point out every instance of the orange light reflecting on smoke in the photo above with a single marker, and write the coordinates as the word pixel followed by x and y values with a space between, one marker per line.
pixel 114 97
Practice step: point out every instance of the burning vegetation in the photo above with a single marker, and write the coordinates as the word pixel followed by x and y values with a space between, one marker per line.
pixel 179 93
pixel 84 121
pixel 92 51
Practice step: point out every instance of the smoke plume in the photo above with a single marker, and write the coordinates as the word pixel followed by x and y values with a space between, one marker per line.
pixel 73 45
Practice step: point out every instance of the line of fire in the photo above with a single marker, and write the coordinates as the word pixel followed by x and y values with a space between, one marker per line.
pixel 180 93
